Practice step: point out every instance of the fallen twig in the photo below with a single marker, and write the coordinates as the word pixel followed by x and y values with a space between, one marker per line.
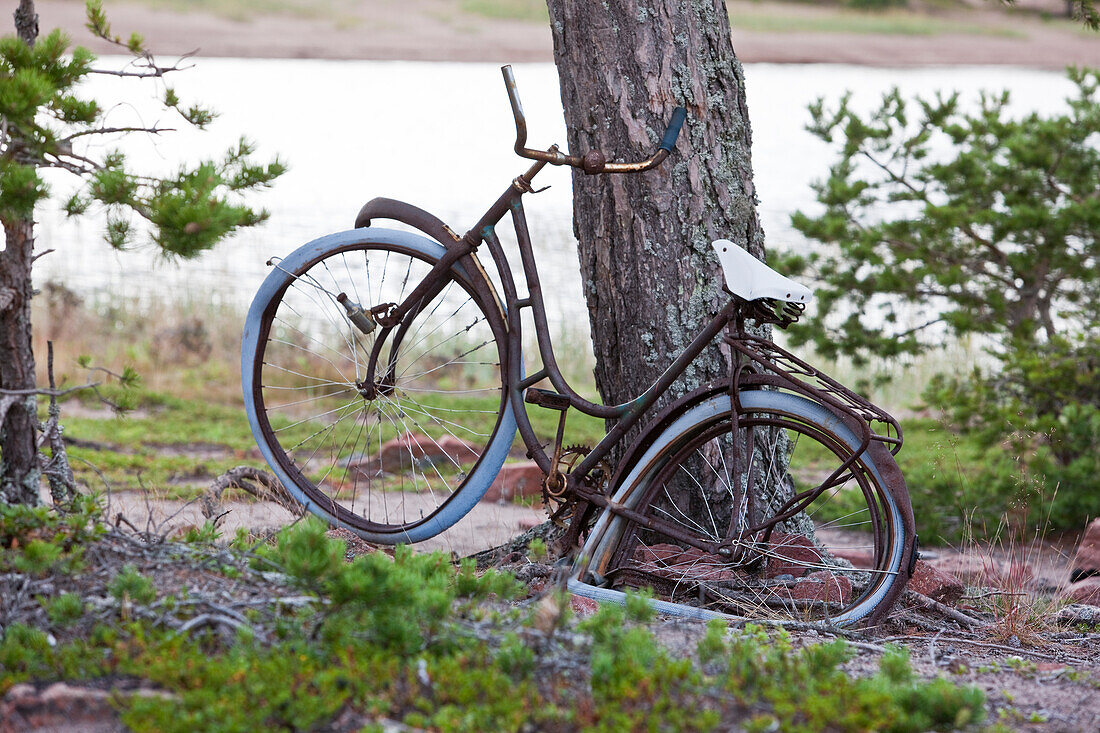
pixel 260 484
pixel 933 605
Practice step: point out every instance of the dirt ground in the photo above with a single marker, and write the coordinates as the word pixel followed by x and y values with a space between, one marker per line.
pixel 1037 675
pixel 434 30
pixel 488 524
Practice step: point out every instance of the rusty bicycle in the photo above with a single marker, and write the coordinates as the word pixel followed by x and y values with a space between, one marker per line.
pixel 384 382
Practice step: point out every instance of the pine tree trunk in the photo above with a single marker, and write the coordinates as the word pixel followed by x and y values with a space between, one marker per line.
pixel 650 276
pixel 651 279
pixel 19 472
pixel 26 22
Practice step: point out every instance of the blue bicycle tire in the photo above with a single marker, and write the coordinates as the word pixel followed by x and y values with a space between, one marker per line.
pixel 606 546
pixel 342 476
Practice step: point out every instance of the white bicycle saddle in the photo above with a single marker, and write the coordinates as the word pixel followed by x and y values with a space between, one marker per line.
pixel 751 279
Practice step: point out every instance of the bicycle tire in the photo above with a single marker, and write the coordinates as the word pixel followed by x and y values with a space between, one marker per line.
pixel 403 459
pixel 786 575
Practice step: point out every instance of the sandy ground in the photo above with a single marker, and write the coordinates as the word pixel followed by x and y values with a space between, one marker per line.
pixel 488 524
pixel 434 30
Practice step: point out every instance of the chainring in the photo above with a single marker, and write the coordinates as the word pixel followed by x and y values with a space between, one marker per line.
pixel 559 506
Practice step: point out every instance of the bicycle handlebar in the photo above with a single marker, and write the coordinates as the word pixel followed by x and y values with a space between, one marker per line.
pixel 593 161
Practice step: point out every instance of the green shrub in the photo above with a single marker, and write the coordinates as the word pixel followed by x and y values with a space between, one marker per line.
pixel 39 540
pixel 942 220
pixel 65 609
pixel 129 584
pixel 1038 418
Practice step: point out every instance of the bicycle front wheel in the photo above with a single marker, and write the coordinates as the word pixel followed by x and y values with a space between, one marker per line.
pixel 400 451
pixel 800 528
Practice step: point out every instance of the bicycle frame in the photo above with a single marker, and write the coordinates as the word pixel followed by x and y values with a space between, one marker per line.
pixel 758 363
pixel 484 232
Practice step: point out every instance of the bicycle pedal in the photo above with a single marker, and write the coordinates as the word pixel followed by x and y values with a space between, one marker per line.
pixel 546 398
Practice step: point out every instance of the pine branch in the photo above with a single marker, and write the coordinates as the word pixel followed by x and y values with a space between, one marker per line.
pixel 111 130
pixel 154 71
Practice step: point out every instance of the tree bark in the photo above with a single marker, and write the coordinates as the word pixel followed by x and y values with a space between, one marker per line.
pixel 650 276
pixel 19 470
pixel 26 22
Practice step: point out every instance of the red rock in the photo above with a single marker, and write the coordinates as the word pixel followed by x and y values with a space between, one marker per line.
pixel 664 553
pixel 64 708
pixel 516 480
pixel 936 584
pixel 583 607
pixel 1085 591
pixel 672 561
pixel 405 450
pixel 858 558
pixel 792 554
pixel 1087 560
pixel 969 569
pixel 821 586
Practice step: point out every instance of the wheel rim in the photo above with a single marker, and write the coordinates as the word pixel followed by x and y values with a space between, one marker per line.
pixel 769 574
pixel 385 455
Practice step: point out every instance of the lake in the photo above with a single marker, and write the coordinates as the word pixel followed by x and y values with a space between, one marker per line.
pixel 353 130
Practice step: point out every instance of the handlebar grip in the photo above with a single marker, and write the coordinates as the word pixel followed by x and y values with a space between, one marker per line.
pixel 673 131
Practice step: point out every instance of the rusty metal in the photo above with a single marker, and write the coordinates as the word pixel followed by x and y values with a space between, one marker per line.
pixel 774 365
pixel 591 162
pixel 767 311
pixel 546 398
pixel 360 319
pixel 554 484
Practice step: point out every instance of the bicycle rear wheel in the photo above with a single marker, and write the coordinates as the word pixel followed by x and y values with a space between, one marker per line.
pixel 839 556
pixel 403 456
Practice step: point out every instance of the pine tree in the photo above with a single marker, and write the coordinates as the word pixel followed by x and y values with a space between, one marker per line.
pixel 45 122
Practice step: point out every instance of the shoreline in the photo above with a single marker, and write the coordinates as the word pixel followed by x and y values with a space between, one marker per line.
pixel 419 32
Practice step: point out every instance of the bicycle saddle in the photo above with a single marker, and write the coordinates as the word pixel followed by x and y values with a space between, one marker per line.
pixel 750 279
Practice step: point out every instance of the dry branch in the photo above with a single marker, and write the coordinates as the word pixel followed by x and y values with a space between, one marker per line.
pixel 260 484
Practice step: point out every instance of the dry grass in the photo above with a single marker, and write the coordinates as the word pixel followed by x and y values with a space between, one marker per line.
pixel 188 349
pixel 1019 572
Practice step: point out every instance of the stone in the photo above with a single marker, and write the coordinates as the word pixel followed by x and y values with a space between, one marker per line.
pixel 516 481
pixel 936 584
pixel 1086 562
pixel 1085 591
pixel 665 554
pixel 673 561
pixel 1078 613
pixel 583 607
pixel 64 708
pixel 821 586
pixel 413 448
pixel 792 554
pixel 858 558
